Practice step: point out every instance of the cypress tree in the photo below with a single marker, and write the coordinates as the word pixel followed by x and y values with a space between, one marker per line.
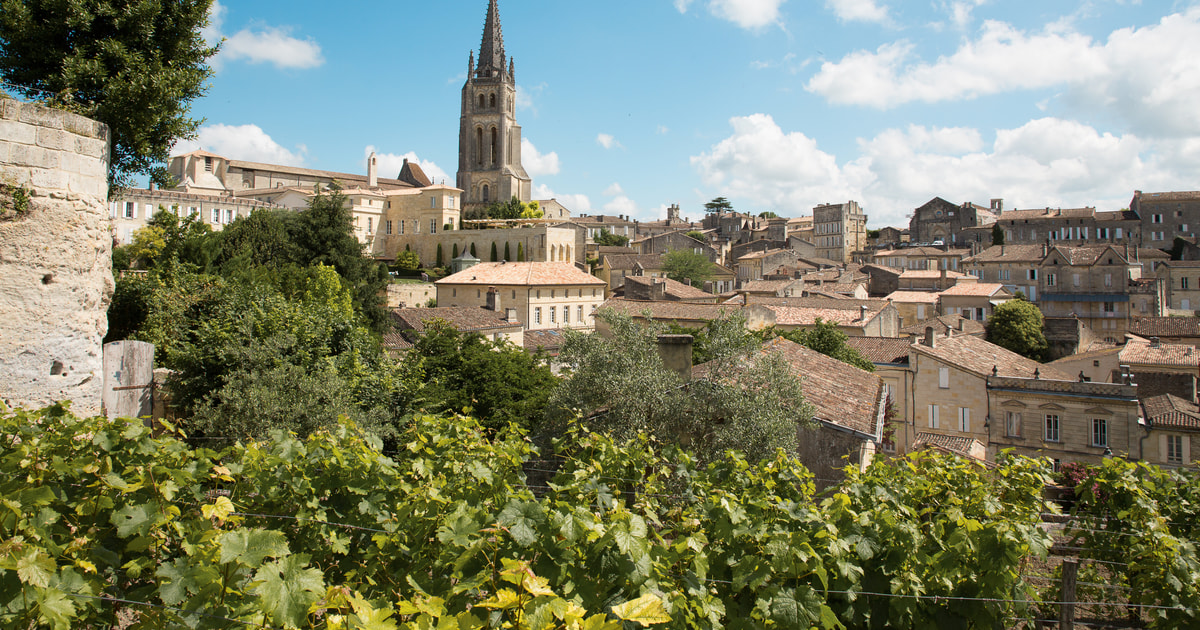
pixel 455 252
pixel 473 251
pixel 507 256
pixel 439 256
pixel 495 258
pixel 520 252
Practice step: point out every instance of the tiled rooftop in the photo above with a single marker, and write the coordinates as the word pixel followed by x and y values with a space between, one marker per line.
pixel 976 355
pixel 980 289
pixel 463 318
pixel 881 349
pixel 674 290
pixel 522 274
pixel 628 261
pixel 943 324
pixel 1142 351
pixel 957 444
pixel 1008 253
pixel 913 297
pixel 926 274
pixel 1165 326
pixel 1169 411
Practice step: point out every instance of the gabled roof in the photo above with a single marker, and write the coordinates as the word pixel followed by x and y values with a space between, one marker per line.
pixel 1142 351
pixel 928 274
pixel 913 297
pixel 631 261
pixel 975 355
pixel 670 311
pixel 980 289
pixel 891 350
pixel 462 318
pixel 674 290
pixel 1008 253
pixel 768 286
pixel 411 173
pixel 944 324
pixel 1085 254
pixel 1165 326
pixel 522 274
pixel 1169 411
pixel 960 445
pixel 548 340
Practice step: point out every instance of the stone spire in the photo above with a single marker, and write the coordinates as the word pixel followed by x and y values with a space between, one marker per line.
pixel 491 51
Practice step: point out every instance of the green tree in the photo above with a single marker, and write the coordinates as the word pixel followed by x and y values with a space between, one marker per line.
pixel 408 261
pixel 473 251
pixel 997 234
pixel 264 238
pixel 134 66
pixel 826 338
pixel 681 264
pixel 608 239
pixel 747 400
pixel 495 255
pixel 506 251
pixel 453 252
pixel 439 262
pixel 495 381
pixel 719 204
pixel 1017 326
pixel 520 252
pixel 768 215
pixel 698 236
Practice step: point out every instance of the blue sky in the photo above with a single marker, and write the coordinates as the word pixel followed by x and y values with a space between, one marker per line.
pixel 629 106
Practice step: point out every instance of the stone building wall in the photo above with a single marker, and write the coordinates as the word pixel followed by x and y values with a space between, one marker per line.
pixel 55 256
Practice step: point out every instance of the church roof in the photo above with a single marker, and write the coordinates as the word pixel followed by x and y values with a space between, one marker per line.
pixel 411 173
pixel 491 49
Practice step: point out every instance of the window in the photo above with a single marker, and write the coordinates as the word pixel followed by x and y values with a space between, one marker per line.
pixel 1099 432
pixel 208 164
pixel 230 216
pixel 1108 279
pixel 537 315
pixel 485 193
pixel 1174 449
pixel 433 226
pixel 944 378
pixel 130 211
pixel 216 215
pixel 1012 424
pixel 400 224
pixel 553 315
pixel 1183 283
pixel 1156 218
pixel 933 416
pixel 1119 230
pixel 979 313
pixel 1075 279
pixel 566 314
pixel 1051 279
pixel 920 311
pixel 433 202
pixel 388 227
pixel 1005 274
pixel 1158 236
pixel 964 419
pixel 1052 427
pixel 369 227
pixel 1032 274
pixel 579 314
pixel 1110 308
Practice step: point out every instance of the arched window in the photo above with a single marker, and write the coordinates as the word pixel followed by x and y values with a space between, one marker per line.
pixel 495 144
pixel 479 143
pixel 485 193
pixel 492 102
pixel 480 101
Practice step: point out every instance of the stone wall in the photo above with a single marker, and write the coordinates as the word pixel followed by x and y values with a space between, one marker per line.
pixel 55 256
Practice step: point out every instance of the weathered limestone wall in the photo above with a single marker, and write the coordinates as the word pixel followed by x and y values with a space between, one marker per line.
pixel 55 256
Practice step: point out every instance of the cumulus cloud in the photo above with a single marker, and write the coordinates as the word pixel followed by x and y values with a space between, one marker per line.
pixel 607 141
pixel 858 10
pixel 577 204
pixel 1144 75
pixel 613 190
pixel 389 165
pixel 270 44
pixel 536 163
pixel 749 14
pixel 961 11
pixel 1045 162
pixel 242 142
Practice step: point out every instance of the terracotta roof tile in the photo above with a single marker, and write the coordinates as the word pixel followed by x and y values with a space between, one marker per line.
pixel 522 274
pixel 924 274
pixel 1171 196
pixel 981 289
pixel 1165 326
pixel 913 297
pixel 881 349
pixel 462 318
pixel 669 311
pixel 1143 352
pixel 674 290
pixel 957 444
pixel 1169 411
pixel 943 324
pixel 976 355
pixel 1009 253
pixel 629 261
pixel 549 340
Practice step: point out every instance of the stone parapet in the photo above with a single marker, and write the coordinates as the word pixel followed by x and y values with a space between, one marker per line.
pixel 55 256
pixel 1084 388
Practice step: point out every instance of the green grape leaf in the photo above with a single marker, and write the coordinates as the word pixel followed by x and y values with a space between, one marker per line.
pixel 287 589
pixel 250 546
pixel 646 610
pixel 36 568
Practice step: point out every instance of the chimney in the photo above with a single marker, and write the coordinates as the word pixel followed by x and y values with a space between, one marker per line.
pixel 676 354
pixel 930 337
pixel 372 174
pixel 493 300
pixel 961 322
pixel 745 297
pixel 1045 249
pixel 862 312
pixel 1155 342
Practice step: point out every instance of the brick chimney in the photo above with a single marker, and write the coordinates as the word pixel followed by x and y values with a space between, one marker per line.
pixel 676 354
pixel 930 337
pixel 493 299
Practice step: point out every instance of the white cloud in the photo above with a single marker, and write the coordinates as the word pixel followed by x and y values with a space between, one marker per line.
pixel 858 10
pixel 621 205
pixel 613 190
pixel 662 130
pixel 242 142
pixel 389 165
pixel 271 44
pixel 526 95
pixel 749 14
pixel 577 204
pixel 536 163
pixel 1144 75
pixel 607 141
pixel 1045 162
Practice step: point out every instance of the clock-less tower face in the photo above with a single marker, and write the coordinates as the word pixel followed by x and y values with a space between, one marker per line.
pixel 489 138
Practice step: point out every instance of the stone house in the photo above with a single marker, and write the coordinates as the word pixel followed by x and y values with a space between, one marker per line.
pixel 1065 226
pixel 940 220
pixel 1166 215
pixel 665 289
pixel 973 300
pixel 1171 423
pixel 889 237
pixel 1182 281
pixel 855 318
pixel 914 307
pixel 922 258
pixel 1017 267
pixel 619 225
pixel 944 326
pixel 1099 363
pixel 890 356
pixel 839 230
pixel 932 280
pixel 775 288
pixel 614 268
pixel 541 295
pixel 673 241
pixel 1091 283
pixel 881 280
pixel 1185 330
pixel 754 265
pixel 1161 368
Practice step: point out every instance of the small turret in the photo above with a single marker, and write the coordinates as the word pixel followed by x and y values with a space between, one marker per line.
pixel 471 64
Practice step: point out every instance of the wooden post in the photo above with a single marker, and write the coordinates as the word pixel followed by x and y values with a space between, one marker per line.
pixel 1066 613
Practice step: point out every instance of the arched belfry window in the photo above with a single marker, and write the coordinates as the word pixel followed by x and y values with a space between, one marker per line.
pixel 480 101
pixel 493 101
pixel 495 144
pixel 479 144
pixel 485 193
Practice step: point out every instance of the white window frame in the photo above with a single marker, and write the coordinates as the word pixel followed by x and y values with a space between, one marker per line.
pixel 1052 429
pixel 1099 432
pixel 964 419
pixel 1174 453
pixel 933 416
pixel 1012 424
pixel 943 378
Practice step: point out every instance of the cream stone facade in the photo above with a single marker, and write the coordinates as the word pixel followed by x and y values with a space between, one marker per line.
pixel 1182 281
pixel 136 206
pixel 541 295
pixel 839 230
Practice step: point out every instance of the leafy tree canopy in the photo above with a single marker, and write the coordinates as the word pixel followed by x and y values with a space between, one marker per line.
pixel 135 66
pixel 609 239
pixel 719 204
pixel 1017 326
pixel 997 234
pixel 698 236
pixel 684 264
pixel 747 401
pixel 767 214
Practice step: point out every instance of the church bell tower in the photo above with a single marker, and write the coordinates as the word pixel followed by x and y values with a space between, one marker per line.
pixel 489 138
